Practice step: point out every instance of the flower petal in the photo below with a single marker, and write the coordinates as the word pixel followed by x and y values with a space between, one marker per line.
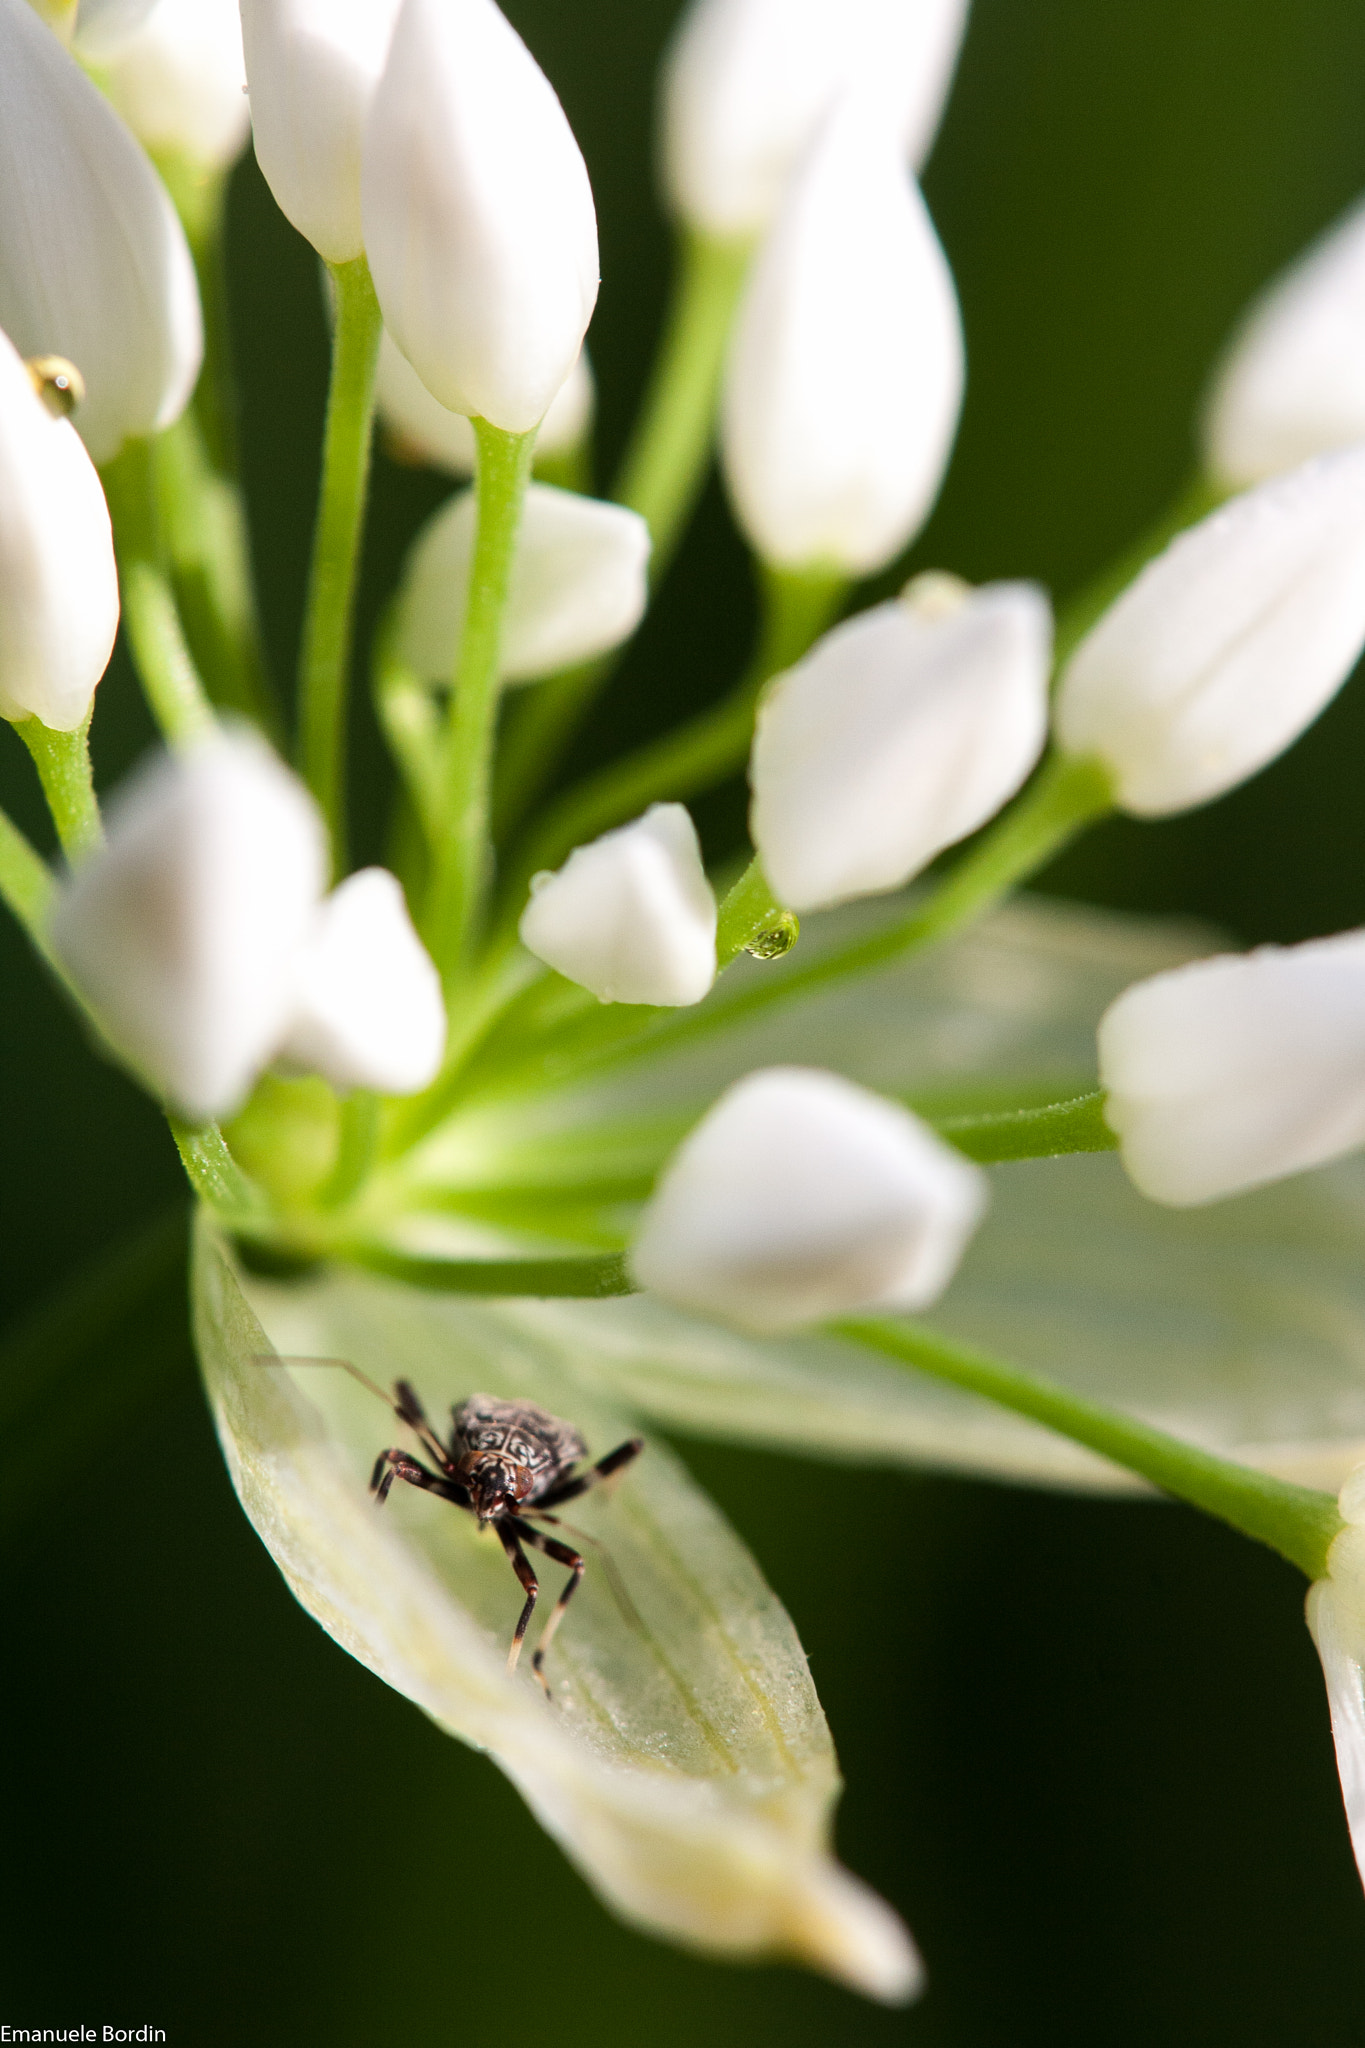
pixel 684 1763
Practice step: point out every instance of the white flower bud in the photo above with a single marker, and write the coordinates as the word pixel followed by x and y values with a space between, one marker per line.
pixel 479 218
pixel 1292 384
pixel 313 66
pixel 800 1196
pixel 369 1012
pixel 102 26
pixel 1238 1070
pixel 578 585
pixel 1228 645
pixel 747 83
pixel 180 82
pixel 59 602
pixel 427 432
pixel 632 916
pixel 185 932
pixel 93 261
pixel 901 732
pixel 845 375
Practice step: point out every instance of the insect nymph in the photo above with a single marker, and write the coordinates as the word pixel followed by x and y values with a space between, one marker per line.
pixel 507 1462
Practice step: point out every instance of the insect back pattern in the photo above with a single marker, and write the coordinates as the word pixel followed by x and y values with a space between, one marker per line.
pixel 508 1463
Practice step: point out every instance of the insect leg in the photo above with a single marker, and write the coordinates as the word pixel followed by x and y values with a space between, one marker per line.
pixel 605 1468
pixel 521 1565
pixel 407 1406
pixel 561 1554
pixel 394 1464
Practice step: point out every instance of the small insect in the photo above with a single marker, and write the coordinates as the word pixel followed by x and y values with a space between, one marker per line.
pixel 508 1463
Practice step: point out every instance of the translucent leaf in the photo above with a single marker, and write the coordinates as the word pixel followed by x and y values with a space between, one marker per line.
pixel 1240 1326
pixel 684 1763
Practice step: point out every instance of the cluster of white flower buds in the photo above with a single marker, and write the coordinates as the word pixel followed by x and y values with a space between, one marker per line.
pixel 393 130
pixel 203 941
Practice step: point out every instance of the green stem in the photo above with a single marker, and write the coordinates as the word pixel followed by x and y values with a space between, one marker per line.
pixel 324 667
pixel 215 1176
pixel 63 763
pixel 693 757
pixel 210 562
pixel 580 1279
pixel 1048 1132
pixel 1297 1521
pixel 752 920
pixel 26 885
pixel 463 857
pixel 357 1146
pixel 151 620
pixel 661 477
pixel 670 450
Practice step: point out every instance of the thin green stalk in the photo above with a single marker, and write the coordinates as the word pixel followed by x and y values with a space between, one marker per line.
pixel 752 920
pixel 670 450
pixel 151 619
pixel 1066 795
pixel 26 885
pixel 463 857
pixel 216 1177
pixel 696 755
pixel 661 478
pixel 580 1279
pixel 357 1146
pixel 1047 1132
pixel 199 473
pixel 1297 1521
pixel 63 763
pixel 210 562
pixel 324 668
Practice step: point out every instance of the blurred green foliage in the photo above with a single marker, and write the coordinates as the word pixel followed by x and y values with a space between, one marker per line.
pixel 1086 1744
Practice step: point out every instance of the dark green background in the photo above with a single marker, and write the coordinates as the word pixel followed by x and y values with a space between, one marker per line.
pixel 1086 1745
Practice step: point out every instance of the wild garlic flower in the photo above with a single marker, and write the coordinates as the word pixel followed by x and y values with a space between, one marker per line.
pixel 479 220
pixel 748 82
pixel 900 732
pixel 102 26
pixel 201 940
pixel 59 600
pixel 631 916
pixel 180 81
pixel 312 67
pixel 578 585
pixel 94 265
pixel 1292 384
pixel 367 1010
pixel 1236 1071
pixel 800 1197
pixel 424 430
pixel 845 374
pixel 1226 646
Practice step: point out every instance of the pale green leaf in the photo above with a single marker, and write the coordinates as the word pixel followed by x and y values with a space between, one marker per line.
pixel 684 1763
pixel 1240 1326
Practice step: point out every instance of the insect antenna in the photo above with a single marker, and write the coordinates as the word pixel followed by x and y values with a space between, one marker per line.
pixel 402 1402
pixel 611 1571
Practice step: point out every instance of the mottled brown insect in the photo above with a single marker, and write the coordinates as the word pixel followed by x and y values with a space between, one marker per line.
pixel 507 1462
